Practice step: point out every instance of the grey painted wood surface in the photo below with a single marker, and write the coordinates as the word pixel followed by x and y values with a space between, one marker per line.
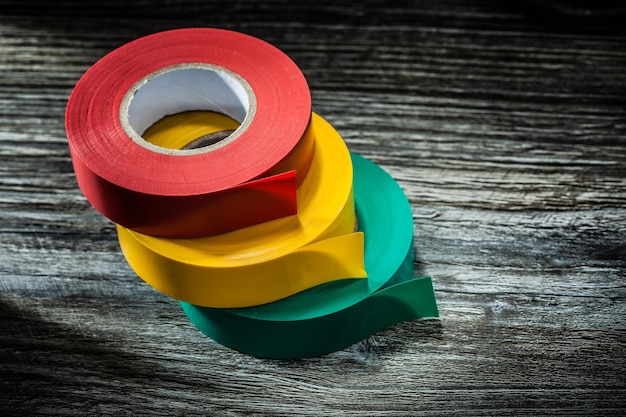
pixel 507 133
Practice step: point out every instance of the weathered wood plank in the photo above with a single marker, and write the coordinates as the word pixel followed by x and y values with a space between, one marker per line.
pixel 507 134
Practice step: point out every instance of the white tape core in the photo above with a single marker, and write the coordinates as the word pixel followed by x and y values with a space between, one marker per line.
pixel 186 87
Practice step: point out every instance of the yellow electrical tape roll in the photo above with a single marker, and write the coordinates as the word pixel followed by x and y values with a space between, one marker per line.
pixel 268 261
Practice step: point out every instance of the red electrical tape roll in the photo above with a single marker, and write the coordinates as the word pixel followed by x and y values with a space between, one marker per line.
pixel 245 179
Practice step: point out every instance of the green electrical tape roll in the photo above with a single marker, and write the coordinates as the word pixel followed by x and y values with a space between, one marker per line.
pixel 337 314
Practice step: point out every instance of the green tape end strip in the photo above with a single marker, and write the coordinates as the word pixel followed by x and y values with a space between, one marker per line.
pixel 414 299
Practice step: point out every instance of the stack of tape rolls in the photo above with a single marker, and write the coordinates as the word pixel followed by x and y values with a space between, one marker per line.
pixel 231 196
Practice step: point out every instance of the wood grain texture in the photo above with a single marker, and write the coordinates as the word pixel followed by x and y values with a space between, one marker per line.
pixel 508 134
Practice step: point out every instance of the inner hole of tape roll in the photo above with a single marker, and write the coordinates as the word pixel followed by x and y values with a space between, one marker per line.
pixel 208 139
pixel 184 88
pixel 190 130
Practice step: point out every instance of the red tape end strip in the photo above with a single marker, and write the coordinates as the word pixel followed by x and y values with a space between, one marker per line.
pixel 193 192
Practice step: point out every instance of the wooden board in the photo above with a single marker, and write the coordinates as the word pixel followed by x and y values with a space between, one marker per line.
pixel 508 134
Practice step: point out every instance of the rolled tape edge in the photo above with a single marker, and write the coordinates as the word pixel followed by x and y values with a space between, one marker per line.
pixel 400 298
pixel 93 152
pixel 329 250
pixel 382 210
